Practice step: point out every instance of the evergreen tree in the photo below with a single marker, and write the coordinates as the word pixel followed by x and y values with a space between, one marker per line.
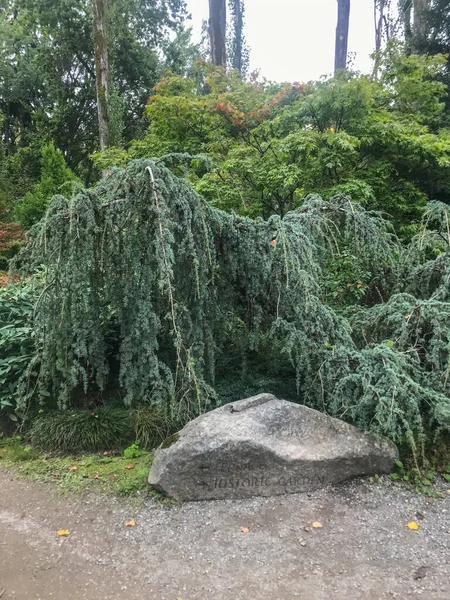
pixel 56 178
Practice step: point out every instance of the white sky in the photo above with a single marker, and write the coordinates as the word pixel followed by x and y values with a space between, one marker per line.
pixel 293 40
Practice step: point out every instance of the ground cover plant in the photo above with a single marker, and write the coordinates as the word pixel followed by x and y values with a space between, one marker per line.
pixel 107 472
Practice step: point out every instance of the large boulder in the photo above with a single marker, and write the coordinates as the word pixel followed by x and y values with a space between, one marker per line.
pixel 263 446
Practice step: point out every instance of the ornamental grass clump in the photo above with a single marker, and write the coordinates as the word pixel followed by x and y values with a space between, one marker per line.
pixel 76 431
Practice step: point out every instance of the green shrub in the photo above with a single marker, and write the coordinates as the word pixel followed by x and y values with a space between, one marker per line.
pixel 82 430
pixel 16 340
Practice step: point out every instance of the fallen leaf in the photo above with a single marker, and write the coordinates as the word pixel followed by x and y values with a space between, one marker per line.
pixel 413 525
pixel 420 573
pixel 244 529
pixel 420 516
pixel 129 467
pixel 131 523
pixel 317 525
pixel 97 476
pixel 74 468
pixel 63 532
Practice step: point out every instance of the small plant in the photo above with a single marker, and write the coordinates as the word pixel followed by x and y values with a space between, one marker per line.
pixel 132 451
pixel 420 480
pixel 446 473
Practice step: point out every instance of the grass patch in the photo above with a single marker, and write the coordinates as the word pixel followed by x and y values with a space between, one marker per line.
pixel 110 474
pixel 76 431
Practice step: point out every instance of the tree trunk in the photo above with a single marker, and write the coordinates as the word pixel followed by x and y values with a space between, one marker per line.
pixel 406 10
pixel 217 31
pixel 340 56
pixel 101 70
pixel 238 34
pixel 420 17
pixel 380 22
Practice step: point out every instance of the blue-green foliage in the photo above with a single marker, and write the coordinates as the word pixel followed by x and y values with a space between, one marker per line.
pixel 177 283
pixel 146 282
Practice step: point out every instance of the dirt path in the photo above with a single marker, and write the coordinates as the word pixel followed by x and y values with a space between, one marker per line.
pixel 198 551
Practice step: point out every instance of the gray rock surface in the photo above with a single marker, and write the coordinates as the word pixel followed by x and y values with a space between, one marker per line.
pixel 264 446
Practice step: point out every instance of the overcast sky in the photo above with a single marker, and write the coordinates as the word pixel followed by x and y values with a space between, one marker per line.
pixel 293 40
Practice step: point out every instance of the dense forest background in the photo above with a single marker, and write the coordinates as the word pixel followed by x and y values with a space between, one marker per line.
pixel 185 232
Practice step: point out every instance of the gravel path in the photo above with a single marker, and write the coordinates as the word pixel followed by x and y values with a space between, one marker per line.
pixel 197 551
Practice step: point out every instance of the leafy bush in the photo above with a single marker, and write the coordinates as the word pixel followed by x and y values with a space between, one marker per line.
pixel 82 430
pixel 17 347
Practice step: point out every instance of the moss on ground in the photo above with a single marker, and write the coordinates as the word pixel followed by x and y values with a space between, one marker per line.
pixel 104 473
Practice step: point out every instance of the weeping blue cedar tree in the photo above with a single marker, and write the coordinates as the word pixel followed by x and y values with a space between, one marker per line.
pixel 144 261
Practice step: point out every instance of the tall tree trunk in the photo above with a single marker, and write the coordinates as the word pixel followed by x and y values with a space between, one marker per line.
pixel 380 22
pixel 406 9
pixel 420 17
pixel 340 55
pixel 238 42
pixel 101 70
pixel 217 31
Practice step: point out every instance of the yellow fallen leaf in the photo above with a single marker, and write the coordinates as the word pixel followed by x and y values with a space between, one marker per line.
pixel 413 525
pixel 63 532
pixel 131 523
pixel 317 525
pixel 244 529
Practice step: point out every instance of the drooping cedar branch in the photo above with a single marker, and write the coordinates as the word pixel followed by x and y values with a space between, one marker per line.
pixel 147 283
